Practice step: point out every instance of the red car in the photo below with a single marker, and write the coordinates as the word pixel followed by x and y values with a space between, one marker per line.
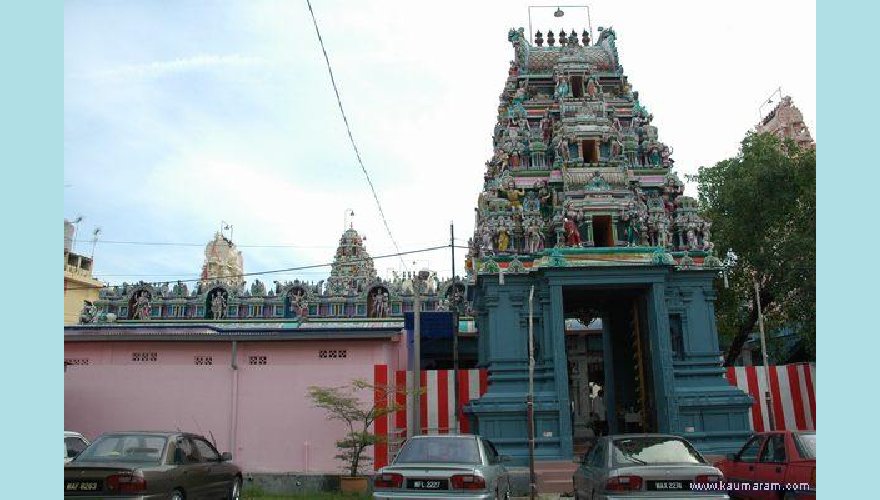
pixel 777 465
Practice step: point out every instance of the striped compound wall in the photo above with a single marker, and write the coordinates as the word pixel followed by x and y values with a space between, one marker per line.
pixel 792 387
pixel 438 405
pixel 793 393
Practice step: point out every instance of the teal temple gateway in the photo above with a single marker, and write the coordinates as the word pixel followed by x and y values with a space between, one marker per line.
pixel 580 210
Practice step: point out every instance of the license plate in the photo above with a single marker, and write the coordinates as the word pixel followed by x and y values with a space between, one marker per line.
pixel 427 484
pixel 82 485
pixel 669 485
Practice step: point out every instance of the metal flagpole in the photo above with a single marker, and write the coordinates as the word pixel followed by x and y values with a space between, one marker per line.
pixel 530 411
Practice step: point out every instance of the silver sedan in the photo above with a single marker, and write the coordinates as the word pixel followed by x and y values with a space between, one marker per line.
pixel 646 466
pixel 444 466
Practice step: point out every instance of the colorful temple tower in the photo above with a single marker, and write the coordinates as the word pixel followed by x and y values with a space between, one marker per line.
pixel 581 221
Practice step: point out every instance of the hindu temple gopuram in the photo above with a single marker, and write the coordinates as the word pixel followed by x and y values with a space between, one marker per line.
pixel 582 221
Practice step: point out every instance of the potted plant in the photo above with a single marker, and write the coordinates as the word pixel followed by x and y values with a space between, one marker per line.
pixel 344 404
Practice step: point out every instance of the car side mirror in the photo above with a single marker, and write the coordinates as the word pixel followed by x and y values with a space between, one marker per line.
pixel 731 457
pixel 226 456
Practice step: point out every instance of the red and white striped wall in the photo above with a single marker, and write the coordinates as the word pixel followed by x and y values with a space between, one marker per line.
pixel 438 404
pixel 793 392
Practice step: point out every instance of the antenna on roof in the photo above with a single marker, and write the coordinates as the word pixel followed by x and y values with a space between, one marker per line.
pixel 75 222
pixel 95 234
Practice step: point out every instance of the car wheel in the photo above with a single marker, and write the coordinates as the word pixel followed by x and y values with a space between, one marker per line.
pixel 235 489
pixel 177 495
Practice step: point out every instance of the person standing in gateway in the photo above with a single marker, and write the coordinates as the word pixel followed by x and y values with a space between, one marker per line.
pixel 597 408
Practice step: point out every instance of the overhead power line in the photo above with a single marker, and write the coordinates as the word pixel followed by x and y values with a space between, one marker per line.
pixel 287 269
pixel 181 244
pixel 350 136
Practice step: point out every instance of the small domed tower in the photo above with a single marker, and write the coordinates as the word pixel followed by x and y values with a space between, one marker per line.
pixel 223 263
pixel 352 270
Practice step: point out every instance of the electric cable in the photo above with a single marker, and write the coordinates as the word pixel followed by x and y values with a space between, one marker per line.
pixel 287 269
pixel 350 136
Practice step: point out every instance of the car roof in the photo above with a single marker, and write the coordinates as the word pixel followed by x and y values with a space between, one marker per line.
pixel 645 435
pixel 445 436
pixel 150 433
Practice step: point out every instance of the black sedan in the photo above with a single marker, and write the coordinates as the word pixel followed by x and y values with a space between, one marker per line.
pixel 152 465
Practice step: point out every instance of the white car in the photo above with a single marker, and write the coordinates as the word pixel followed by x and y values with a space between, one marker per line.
pixel 74 444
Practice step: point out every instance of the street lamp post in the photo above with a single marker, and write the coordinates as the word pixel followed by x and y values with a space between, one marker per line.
pixel 729 262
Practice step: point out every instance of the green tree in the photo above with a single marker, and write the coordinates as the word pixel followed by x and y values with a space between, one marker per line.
pixel 345 404
pixel 762 204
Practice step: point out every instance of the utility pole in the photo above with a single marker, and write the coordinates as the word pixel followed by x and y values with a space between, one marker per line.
pixel 413 410
pixel 768 396
pixel 454 299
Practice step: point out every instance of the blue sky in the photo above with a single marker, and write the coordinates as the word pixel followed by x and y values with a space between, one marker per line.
pixel 180 115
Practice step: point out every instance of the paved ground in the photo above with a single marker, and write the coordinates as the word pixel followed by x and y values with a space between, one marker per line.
pixel 542 496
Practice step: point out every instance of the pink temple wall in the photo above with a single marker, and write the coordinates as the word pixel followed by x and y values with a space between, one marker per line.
pixel 260 413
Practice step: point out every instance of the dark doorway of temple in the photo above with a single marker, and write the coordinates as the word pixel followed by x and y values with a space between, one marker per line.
pixel 609 365
pixel 577 86
pixel 591 151
pixel 603 236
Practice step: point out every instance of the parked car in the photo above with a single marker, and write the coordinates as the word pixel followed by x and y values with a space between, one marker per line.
pixel 646 466
pixel 152 465
pixel 783 458
pixel 74 444
pixel 458 466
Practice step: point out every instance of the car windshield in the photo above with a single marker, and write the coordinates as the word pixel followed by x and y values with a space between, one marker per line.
pixel 654 450
pixel 806 444
pixel 129 448
pixel 458 450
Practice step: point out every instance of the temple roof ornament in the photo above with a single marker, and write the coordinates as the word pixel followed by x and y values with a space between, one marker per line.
pixel 352 292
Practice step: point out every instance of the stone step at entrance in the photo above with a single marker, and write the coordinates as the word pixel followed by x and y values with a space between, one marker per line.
pixel 554 476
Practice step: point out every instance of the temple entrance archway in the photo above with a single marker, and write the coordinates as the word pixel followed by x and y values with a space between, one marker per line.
pixel 608 361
